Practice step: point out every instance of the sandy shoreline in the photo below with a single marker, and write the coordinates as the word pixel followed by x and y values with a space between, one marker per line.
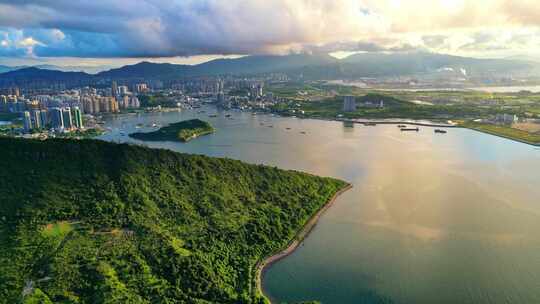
pixel 304 232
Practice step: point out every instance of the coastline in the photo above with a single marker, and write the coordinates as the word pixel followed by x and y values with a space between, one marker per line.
pixel 503 136
pixel 262 265
pixel 431 124
pixel 403 122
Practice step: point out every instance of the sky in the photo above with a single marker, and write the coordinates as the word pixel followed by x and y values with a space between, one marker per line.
pixel 105 32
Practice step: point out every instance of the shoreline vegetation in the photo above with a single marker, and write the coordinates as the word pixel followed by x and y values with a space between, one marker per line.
pixel 504 132
pixel 490 129
pixel 183 131
pixel 302 234
pixel 320 101
pixel 89 221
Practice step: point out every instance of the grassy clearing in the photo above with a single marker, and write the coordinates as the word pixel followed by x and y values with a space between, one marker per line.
pixel 57 229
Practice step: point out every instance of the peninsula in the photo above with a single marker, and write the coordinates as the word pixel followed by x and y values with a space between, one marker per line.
pixel 181 131
pixel 88 221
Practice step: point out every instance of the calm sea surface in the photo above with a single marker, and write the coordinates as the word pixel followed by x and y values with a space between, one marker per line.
pixel 452 218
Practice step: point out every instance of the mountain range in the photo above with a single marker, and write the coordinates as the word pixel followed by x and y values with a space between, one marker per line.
pixel 305 66
pixel 72 68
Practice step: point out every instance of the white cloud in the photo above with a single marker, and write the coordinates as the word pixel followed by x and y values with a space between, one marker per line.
pixel 190 27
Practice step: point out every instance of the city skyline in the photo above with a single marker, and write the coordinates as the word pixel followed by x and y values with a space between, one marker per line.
pixel 189 32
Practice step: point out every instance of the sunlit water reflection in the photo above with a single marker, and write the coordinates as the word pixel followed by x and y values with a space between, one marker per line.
pixel 432 218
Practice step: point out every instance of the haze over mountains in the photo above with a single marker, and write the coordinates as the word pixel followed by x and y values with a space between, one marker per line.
pixel 86 69
pixel 306 66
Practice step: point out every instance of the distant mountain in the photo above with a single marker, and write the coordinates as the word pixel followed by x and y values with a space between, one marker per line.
pixel 301 66
pixel 243 65
pixel 265 64
pixel 381 64
pixel 5 68
pixel 147 70
pixel 529 58
pixel 73 68
pixel 324 66
pixel 34 75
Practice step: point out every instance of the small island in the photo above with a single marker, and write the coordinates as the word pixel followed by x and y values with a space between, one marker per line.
pixel 181 131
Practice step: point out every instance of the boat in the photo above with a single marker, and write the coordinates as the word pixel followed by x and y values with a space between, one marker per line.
pixel 270 126
pixel 370 124
pixel 228 115
pixel 212 115
pixel 288 128
pixel 303 132
pixel 440 131
pixel 410 129
pixel 401 126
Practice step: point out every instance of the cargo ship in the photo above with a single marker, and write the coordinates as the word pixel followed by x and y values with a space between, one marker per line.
pixel 410 129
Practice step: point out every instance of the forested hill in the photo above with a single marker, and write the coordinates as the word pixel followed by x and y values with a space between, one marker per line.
pixel 96 222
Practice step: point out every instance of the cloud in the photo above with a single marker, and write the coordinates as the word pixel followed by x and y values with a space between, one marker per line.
pixel 164 28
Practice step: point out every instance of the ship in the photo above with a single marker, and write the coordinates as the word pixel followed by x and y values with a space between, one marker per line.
pixel 410 129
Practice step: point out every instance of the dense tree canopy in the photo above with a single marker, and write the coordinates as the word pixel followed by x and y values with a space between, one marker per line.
pixel 181 131
pixel 95 222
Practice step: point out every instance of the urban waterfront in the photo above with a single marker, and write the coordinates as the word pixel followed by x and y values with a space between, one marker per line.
pixel 432 218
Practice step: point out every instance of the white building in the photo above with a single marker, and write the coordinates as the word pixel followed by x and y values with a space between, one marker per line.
pixel 27 121
pixel 506 118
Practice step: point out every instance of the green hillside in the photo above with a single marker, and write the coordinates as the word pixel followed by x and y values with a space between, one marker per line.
pixel 95 222
pixel 181 131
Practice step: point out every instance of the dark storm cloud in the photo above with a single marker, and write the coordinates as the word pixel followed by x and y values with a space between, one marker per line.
pixel 164 28
pixel 155 28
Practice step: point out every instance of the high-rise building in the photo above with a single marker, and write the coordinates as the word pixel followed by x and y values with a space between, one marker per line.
pixel 57 119
pixel 349 104
pixel 113 105
pixel 96 102
pixel 27 120
pixel 134 102
pixel 124 102
pixel 44 118
pixel 114 88
pixel 3 103
pixel 36 119
pixel 104 104
pixel 123 90
pixel 68 119
pixel 78 118
pixel 141 88
pixel 87 105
